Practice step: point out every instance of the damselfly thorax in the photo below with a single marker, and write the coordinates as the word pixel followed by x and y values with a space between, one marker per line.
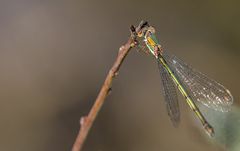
pixel 149 42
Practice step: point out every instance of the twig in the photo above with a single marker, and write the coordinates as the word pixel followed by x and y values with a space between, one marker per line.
pixel 87 121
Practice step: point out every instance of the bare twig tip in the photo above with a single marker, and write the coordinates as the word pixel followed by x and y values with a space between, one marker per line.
pixel 87 121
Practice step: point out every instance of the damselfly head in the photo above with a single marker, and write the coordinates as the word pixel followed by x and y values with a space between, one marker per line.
pixel 151 29
pixel 143 31
pixel 142 28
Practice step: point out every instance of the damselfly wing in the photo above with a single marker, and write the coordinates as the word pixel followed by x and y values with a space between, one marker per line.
pixel 201 88
pixel 170 95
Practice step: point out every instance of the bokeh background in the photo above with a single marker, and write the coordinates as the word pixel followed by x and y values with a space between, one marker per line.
pixel 55 54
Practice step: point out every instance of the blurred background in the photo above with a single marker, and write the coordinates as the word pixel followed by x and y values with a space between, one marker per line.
pixel 55 54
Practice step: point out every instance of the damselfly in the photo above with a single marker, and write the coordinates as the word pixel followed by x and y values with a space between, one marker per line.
pixel 193 85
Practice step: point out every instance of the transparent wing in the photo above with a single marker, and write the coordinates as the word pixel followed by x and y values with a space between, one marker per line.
pixel 170 95
pixel 200 87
